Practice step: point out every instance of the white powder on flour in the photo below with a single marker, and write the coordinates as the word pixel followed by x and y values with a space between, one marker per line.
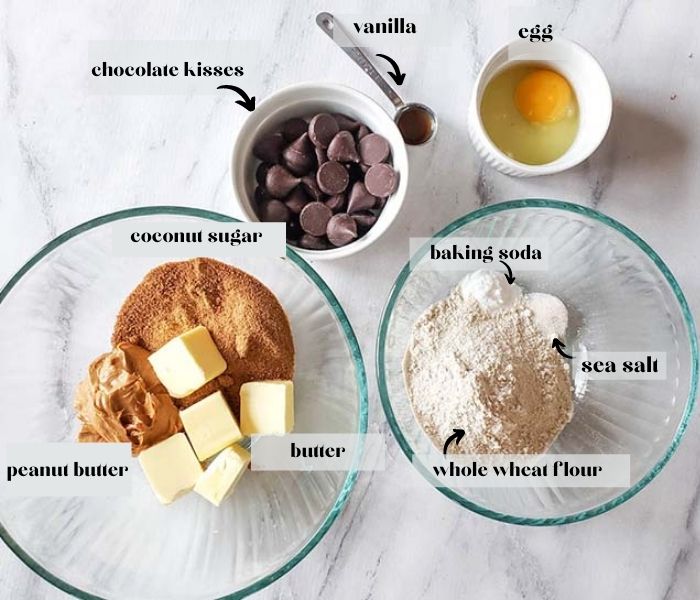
pixel 482 360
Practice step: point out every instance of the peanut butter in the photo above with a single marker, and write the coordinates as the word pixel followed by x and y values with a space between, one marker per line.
pixel 121 400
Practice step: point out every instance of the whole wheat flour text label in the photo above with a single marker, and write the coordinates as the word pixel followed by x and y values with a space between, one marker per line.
pixel 545 470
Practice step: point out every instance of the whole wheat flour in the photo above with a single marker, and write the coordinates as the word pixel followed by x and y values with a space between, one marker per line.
pixel 482 360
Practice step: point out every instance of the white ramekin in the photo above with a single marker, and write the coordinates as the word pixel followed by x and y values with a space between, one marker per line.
pixel 305 99
pixel 592 92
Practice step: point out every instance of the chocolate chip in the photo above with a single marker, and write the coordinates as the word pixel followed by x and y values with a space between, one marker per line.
pixel 362 132
pixel 327 178
pixel 322 129
pixel 332 177
pixel 297 200
pixel 360 198
pixel 279 182
pixel 260 172
pixel 321 155
pixel 293 128
pixel 274 211
pixel 261 194
pixel 345 123
pixel 312 242
pixel 269 148
pixel 381 180
pixel 314 218
pixel 336 203
pixel 374 149
pixel 341 229
pixel 311 187
pixel 342 148
pixel 364 220
pixel 299 156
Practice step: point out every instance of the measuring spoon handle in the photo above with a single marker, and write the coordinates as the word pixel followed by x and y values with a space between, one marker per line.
pixel 328 24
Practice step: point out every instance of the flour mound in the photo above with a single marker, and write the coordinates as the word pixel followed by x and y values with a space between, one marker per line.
pixel 492 372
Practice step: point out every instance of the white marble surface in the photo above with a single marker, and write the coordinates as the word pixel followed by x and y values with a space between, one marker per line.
pixel 67 156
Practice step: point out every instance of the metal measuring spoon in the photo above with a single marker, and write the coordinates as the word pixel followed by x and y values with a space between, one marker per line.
pixel 416 122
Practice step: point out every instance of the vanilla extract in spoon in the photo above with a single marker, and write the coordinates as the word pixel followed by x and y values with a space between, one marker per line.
pixel 416 122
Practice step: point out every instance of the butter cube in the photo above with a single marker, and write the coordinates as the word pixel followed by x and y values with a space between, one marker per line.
pixel 222 474
pixel 171 467
pixel 210 425
pixel 187 362
pixel 267 407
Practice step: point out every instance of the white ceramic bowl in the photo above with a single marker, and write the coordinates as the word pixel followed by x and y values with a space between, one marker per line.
pixel 592 92
pixel 306 99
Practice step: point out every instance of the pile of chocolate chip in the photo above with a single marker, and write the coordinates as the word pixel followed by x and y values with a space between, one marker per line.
pixel 328 179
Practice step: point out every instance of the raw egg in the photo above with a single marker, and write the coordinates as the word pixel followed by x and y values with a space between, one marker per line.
pixel 530 113
pixel 543 96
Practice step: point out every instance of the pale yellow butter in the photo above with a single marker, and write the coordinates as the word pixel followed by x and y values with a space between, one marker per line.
pixel 222 474
pixel 267 407
pixel 171 467
pixel 210 425
pixel 187 362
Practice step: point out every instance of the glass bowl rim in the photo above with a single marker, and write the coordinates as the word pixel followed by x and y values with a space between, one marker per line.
pixel 648 251
pixel 353 347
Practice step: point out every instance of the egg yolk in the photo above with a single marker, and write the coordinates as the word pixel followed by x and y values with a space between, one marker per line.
pixel 543 96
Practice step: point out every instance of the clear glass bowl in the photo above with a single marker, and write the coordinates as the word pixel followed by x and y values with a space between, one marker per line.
pixel 621 296
pixel 57 313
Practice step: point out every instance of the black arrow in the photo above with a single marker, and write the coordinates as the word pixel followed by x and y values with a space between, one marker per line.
pixel 247 103
pixel 456 436
pixel 559 345
pixel 509 276
pixel 397 76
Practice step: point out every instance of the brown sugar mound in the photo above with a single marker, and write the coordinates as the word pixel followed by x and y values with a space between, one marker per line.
pixel 245 319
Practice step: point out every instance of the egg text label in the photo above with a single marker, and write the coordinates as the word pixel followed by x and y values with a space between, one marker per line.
pixel 535 34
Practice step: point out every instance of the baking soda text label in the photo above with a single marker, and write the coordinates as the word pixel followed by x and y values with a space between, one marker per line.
pixel 459 254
